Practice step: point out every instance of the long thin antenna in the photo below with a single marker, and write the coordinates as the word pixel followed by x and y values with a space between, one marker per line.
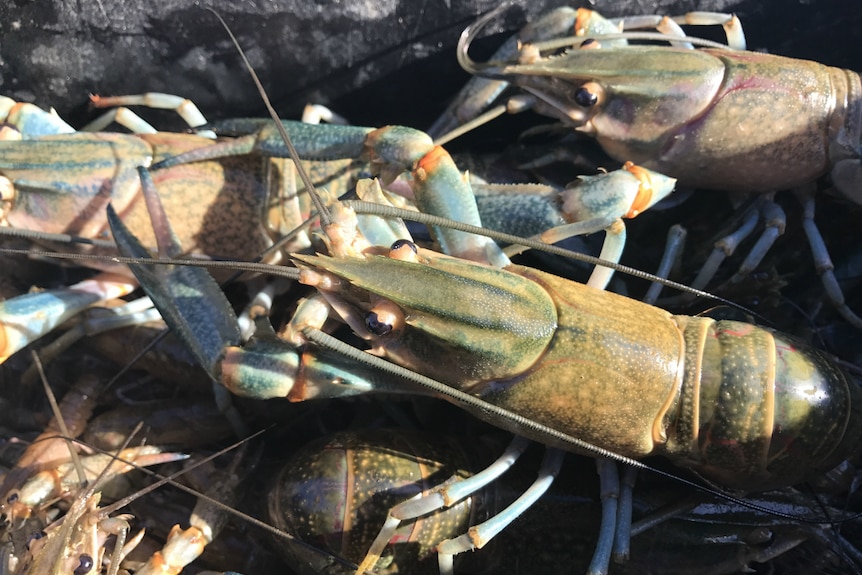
pixel 325 216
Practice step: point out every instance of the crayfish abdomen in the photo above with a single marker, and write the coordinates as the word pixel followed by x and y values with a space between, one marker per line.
pixel 743 406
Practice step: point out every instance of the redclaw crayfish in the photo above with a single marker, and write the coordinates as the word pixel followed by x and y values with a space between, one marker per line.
pixel 57 181
pixel 374 304
pixel 712 117
pixel 743 407
pixel 351 478
pixel 54 180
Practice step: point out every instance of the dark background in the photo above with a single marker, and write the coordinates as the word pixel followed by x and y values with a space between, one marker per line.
pixel 399 52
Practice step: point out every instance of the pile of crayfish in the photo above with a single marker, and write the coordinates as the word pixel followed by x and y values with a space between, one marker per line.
pixel 342 301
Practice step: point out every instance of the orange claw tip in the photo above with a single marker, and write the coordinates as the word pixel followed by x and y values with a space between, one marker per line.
pixel 432 159
pixel 652 187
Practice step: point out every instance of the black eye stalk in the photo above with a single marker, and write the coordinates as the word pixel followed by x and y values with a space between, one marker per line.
pixel 384 318
pixel 376 325
pixel 398 244
pixel 585 98
pixel 85 565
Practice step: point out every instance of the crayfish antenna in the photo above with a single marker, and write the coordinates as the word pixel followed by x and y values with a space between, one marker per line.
pixel 325 216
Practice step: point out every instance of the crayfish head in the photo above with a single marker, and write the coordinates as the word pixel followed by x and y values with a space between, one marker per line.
pixel 457 321
pixel 632 98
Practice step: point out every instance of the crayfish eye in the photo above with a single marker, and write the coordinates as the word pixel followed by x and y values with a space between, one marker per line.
pixel 85 565
pixel 377 325
pixel 403 250
pixel 384 318
pixel 589 95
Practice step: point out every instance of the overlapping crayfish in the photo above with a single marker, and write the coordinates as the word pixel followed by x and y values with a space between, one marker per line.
pixel 518 346
pixel 712 117
pixel 337 480
pixel 743 407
